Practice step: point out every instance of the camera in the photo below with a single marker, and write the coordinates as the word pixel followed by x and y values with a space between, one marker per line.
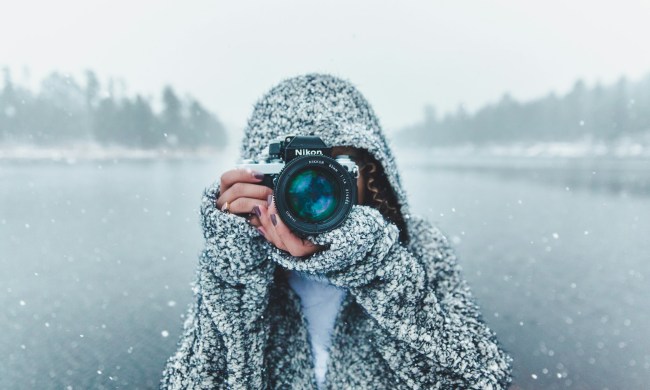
pixel 313 191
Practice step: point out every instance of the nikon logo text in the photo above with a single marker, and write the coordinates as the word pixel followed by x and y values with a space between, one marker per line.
pixel 307 152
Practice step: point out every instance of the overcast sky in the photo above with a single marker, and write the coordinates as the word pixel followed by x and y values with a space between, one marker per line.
pixel 402 55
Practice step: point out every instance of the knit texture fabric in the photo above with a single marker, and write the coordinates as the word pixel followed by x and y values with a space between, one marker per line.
pixel 409 320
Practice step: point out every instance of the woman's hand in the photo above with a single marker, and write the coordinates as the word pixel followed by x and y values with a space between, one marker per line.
pixel 234 250
pixel 277 233
pixel 240 188
pixel 356 251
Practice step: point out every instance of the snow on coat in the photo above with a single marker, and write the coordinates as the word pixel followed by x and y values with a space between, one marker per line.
pixel 409 320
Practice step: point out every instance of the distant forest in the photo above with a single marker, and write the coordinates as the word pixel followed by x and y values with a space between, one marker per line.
pixel 64 111
pixel 599 112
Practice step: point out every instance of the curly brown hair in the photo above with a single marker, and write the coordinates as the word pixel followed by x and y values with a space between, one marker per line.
pixel 379 193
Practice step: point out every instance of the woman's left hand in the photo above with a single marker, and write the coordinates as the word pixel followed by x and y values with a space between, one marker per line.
pixel 277 233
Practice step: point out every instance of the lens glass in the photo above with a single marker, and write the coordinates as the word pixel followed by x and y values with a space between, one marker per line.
pixel 312 195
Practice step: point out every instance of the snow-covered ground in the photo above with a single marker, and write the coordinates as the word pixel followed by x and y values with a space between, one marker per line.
pixel 93 151
pixel 623 148
pixel 532 152
pixel 84 151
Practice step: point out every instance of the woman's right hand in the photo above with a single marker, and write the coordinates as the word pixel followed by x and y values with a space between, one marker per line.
pixel 241 189
pixel 234 249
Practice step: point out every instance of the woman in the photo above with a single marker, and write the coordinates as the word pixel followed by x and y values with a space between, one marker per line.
pixel 401 315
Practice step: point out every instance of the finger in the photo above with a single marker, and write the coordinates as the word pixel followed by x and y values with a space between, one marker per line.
pixel 239 175
pixel 244 205
pixel 244 190
pixel 267 227
pixel 254 221
pixel 295 245
pixel 272 218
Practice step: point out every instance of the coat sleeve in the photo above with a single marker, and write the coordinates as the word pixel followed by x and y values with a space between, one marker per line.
pixel 224 335
pixel 427 325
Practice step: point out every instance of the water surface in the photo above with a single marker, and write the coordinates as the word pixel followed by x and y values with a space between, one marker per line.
pixel 97 258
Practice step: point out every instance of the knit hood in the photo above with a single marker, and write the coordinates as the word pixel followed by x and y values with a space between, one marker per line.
pixel 324 106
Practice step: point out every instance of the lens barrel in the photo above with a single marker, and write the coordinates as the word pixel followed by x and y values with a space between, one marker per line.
pixel 314 194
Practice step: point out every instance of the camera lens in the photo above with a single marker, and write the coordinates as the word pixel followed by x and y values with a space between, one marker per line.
pixel 312 195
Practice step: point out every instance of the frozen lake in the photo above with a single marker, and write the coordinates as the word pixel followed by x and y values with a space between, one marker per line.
pixel 96 260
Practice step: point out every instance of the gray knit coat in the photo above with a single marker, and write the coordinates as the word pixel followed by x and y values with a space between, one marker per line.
pixel 408 319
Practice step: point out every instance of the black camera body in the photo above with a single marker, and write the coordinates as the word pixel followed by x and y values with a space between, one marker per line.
pixel 313 191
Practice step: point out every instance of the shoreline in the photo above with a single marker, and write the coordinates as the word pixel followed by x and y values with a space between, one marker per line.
pixel 460 154
pixel 93 152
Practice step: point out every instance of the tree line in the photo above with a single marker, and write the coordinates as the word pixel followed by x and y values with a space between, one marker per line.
pixel 65 111
pixel 599 112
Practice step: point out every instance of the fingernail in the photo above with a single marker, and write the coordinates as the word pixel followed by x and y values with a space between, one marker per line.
pixel 258 175
pixel 257 211
pixel 274 220
pixel 269 200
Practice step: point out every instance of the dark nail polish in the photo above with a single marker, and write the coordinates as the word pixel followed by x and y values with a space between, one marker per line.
pixel 274 220
pixel 269 200
pixel 257 211
pixel 258 175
